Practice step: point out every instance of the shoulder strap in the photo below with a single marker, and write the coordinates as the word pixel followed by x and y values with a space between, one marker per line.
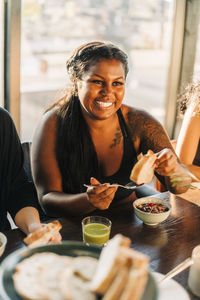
pixel 125 131
pixel 123 125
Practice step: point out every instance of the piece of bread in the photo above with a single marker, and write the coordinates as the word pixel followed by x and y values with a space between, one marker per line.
pixel 130 280
pixel 118 265
pixel 138 274
pixel 43 235
pixel 135 285
pixel 49 276
pixel 143 170
pixel 84 267
pixel 109 263
pixel 52 276
pixel 135 259
pixel 117 286
pixel 29 274
pixel 74 283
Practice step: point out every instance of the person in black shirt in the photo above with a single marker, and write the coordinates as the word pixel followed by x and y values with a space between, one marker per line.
pixel 90 137
pixel 16 192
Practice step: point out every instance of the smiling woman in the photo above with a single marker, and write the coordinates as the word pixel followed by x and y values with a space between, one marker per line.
pixel 90 137
pixel 101 89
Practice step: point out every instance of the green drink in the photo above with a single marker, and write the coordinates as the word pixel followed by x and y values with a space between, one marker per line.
pixel 96 230
pixel 96 233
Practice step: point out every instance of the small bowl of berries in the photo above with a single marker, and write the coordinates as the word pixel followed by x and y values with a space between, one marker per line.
pixel 152 210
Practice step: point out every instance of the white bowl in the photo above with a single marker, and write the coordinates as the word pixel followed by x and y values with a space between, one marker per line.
pixel 3 242
pixel 149 218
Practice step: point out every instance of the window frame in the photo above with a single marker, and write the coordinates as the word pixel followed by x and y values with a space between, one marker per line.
pixel 176 73
pixel 12 43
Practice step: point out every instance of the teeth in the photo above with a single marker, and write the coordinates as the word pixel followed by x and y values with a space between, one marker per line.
pixel 104 104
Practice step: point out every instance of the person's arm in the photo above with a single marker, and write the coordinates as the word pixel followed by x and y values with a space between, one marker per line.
pixel 147 134
pixel 17 192
pixel 188 140
pixel 27 219
pixel 47 176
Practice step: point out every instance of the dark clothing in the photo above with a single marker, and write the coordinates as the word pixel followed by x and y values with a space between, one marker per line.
pixel 81 155
pixel 196 161
pixel 128 160
pixel 15 190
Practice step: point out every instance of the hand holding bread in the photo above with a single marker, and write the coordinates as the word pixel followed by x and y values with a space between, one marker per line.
pixel 45 234
pixel 167 162
pixel 164 163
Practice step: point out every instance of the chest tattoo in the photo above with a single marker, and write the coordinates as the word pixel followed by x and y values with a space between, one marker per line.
pixel 117 139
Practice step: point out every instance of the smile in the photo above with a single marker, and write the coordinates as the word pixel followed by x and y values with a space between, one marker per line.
pixel 104 104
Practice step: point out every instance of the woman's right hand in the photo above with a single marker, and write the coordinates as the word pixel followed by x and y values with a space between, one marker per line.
pixel 100 195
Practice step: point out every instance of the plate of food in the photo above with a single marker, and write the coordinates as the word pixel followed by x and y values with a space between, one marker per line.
pixel 72 269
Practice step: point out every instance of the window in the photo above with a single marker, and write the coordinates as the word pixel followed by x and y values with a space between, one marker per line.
pixel 196 75
pixel 51 29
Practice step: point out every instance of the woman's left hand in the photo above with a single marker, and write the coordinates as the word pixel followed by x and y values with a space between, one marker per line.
pixel 57 238
pixel 167 163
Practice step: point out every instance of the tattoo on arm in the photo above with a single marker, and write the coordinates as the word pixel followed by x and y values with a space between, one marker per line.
pixel 117 139
pixel 149 131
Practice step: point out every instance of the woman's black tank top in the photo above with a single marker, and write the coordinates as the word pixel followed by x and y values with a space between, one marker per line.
pixel 197 156
pixel 128 160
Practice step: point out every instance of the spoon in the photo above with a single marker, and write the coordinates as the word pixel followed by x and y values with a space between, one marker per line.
pixel 182 266
pixel 129 186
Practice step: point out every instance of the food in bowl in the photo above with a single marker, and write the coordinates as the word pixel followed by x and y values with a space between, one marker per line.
pixel 3 242
pixel 152 210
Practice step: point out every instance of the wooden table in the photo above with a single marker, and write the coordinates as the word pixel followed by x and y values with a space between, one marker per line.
pixel 167 245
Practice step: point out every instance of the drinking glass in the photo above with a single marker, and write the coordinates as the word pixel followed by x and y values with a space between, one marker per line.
pixel 194 273
pixel 96 230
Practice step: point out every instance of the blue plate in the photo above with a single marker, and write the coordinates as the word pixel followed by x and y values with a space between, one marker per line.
pixel 69 248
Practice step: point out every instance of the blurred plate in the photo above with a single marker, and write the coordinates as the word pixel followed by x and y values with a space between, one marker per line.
pixel 195 185
pixel 170 289
pixel 70 248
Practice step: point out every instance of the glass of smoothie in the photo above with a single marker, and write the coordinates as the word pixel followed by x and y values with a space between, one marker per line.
pixel 96 230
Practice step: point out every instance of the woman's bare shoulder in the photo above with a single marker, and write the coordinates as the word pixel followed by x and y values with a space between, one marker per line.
pixel 146 129
pixel 47 126
pixel 50 116
pixel 136 116
pixel 49 119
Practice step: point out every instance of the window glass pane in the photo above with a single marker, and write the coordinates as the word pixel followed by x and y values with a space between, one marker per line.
pixel 196 75
pixel 51 29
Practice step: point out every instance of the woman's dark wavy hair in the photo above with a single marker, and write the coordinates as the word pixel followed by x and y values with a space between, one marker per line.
pixel 75 151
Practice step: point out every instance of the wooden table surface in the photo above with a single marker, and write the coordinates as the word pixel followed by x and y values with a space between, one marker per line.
pixel 167 244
